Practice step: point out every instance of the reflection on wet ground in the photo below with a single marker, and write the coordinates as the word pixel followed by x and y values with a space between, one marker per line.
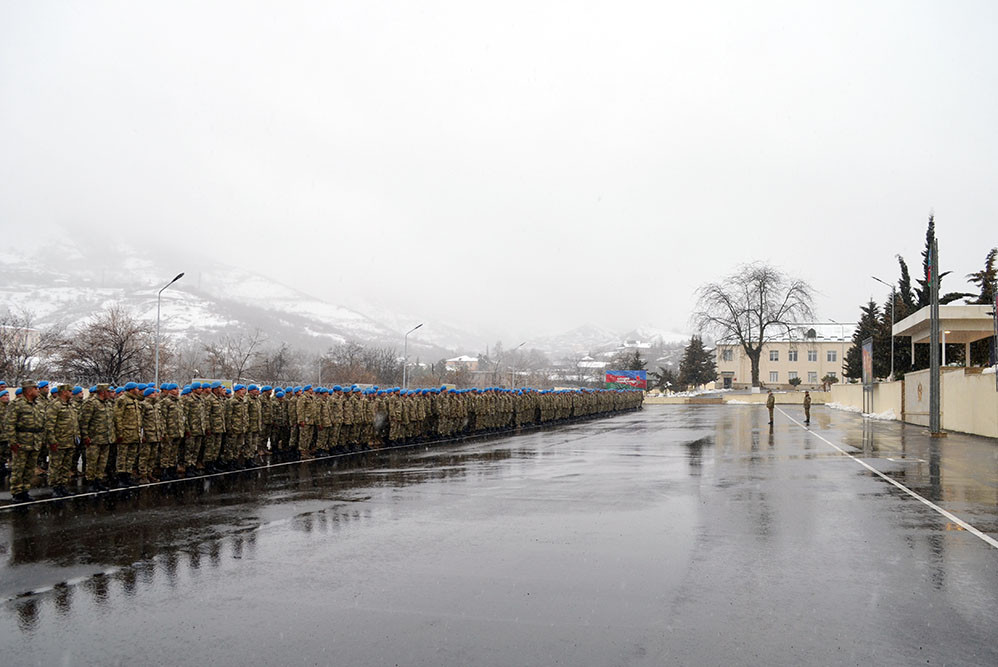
pixel 676 534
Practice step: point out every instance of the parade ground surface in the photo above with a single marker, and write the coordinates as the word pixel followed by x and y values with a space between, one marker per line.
pixel 674 535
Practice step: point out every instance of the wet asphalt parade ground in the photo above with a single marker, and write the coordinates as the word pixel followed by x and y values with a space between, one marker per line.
pixel 688 535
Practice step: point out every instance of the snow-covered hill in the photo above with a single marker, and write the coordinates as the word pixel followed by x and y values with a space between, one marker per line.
pixel 66 276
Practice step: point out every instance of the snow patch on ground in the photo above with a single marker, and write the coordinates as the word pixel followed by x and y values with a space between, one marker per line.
pixel 883 416
pixel 735 401
pixel 844 408
pixel 990 370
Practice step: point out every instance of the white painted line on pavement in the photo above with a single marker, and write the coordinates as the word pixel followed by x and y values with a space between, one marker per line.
pixel 928 503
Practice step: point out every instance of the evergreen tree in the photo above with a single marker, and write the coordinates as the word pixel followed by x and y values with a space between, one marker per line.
pixel 906 296
pixel 982 352
pixel 663 379
pixel 923 291
pixel 902 346
pixel 628 361
pixel 985 280
pixel 697 366
pixel 869 326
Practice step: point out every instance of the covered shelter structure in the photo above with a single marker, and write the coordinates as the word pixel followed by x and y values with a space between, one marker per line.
pixel 957 324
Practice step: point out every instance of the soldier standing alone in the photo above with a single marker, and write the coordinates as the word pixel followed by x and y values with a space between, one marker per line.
pixel 770 404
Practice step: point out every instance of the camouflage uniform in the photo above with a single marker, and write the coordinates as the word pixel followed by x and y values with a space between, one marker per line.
pixel 267 420
pixel 254 409
pixel 24 430
pixel 335 409
pixel 97 429
pixel 4 445
pixel 128 429
pixel 214 428
pixel 152 436
pixel 173 429
pixel 194 426
pixel 236 427
pixel 62 427
pixel 307 417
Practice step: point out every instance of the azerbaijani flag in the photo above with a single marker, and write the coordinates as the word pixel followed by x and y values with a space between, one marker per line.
pixel 626 379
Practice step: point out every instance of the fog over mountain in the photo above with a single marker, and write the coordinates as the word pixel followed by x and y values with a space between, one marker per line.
pixel 64 276
pixel 514 170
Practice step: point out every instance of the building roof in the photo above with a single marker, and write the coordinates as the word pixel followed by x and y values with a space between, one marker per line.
pixel 818 332
pixel 961 324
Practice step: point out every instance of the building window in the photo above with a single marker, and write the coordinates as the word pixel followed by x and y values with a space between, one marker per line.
pixel 792 375
pixel 831 374
pixel 812 355
pixel 832 355
pixel 812 377
pixel 774 376
pixel 726 354
pixel 774 355
pixel 792 355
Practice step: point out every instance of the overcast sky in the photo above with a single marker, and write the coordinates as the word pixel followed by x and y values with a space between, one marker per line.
pixel 524 166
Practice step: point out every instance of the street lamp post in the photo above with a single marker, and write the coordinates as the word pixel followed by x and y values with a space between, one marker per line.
pixel 159 296
pixel 405 356
pixel 512 371
pixel 893 301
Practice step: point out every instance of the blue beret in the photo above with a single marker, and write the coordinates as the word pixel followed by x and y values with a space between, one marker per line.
pixel 306 387
pixel 130 385
pixel 195 385
pixel 43 383
pixel 93 388
pixel 216 384
pixel 3 393
pixel 148 391
pixel 253 387
pixel 54 389
pixel 238 387
pixel 77 390
pixel 337 388
pixel 266 387
pixel 2 383
pixel 17 392
pixel 279 393
pixel 228 391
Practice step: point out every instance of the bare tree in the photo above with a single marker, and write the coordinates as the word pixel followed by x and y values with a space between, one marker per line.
pixel 112 346
pixel 352 362
pixel 230 356
pixel 756 304
pixel 24 349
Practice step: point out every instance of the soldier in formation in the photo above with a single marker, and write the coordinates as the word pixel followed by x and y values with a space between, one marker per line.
pixel 139 433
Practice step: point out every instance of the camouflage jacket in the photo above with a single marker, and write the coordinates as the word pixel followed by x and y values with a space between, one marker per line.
pixel 128 419
pixel 255 413
pixel 25 423
pixel 214 407
pixel 61 425
pixel 194 418
pixel 173 417
pixel 152 421
pixel 97 421
pixel 237 415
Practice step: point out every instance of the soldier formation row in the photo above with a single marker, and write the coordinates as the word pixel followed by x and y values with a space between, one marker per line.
pixel 138 433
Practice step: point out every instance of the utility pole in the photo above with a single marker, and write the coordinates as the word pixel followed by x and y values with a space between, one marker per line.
pixel 893 301
pixel 405 355
pixel 935 429
pixel 158 299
